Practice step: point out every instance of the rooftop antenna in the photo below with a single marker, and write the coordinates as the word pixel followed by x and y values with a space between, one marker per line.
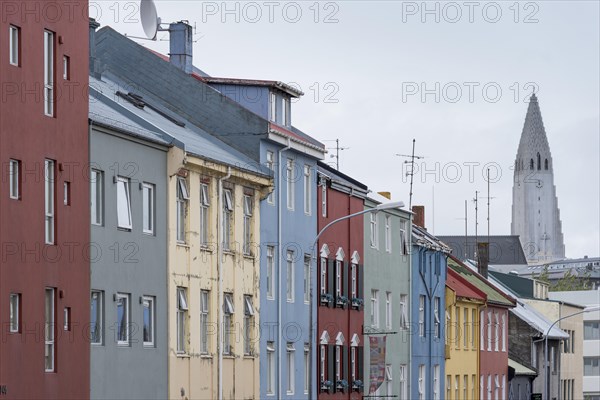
pixel 476 200
pixel 466 254
pixel 337 149
pixel 411 172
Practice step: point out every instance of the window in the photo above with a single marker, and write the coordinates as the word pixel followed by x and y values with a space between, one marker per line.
pixel 534 356
pixel 248 206
pixel 353 363
pixel 306 367
pixel 448 387
pixel 67 193
pixel 15 179
pixel 353 281
pixel 49 328
pixel 270 271
pixel 66 68
pixel 421 315
pixel 473 380
pixel 338 363
pixel 388 234
pixel 307 261
pixel 149 320
pixel 49 73
pixel 489 331
pixel 15 312
pixel 503 332
pixel 182 309
pixel 531 164
pixel 290 276
pixel 546 164
pixel 97 196
pixel 503 387
pixel 204 321
pixel 291 370
pixel 457 387
pixel 496 333
pixel 375 308
pixel 436 316
pixel 323 275
pixel 67 318
pixel 270 368
pixel 465 332
pixel 270 165
pixel 481 387
pixel 228 311
pixel 539 162
pixel 388 310
pixel 591 330
pixel 403 238
pixel 422 385
pixel 227 218
pixel 14 34
pixel 403 311
pixel 323 365
pixel 496 387
pixel 307 190
pixel 248 325
pixel 49 200
pixel 465 387
pixel 457 325
pixel 285 112
pixel 273 104
pixel 204 216
pixel 148 207
pixel 123 203
pixel 289 178
pixel 324 199
pixel 338 280
pixel 122 319
pixel 388 380
pixel 482 330
pixel 373 230
pixel 436 382
pixel 473 328
pixel 182 197
pixel 403 386
pixel 97 317
pixel 591 366
pixel 489 387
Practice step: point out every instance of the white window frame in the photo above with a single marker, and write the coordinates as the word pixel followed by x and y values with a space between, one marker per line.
pixel 388 233
pixel 248 211
pixel 181 197
pixel 422 315
pixel 496 387
pixel 323 355
pixel 285 111
pixel 436 382
pixel 489 387
pixel 66 193
pixel 436 316
pixel 482 330
pixel 50 203
pixel 503 332
pixel 228 207
pixel 270 165
pixel 124 221
pixel 465 328
pixel 473 328
pixel 66 67
pixel 353 280
pixel 338 363
pixel 14 35
pixel 307 191
pixel 228 312
pixel 248 325
pixel 290 271
pixel 324 199
pixel 353 361
pixel 97 196
pixel 204 214
pixel 374 234
pixel 465 386
pixel 123 340
pixel 457 387
pixel 289 177
pixel 291 370
pixel 503 387
pixel 15 310
pixel 388 380
pixel 388 310
pixel 182 310
pixel 15 177
pixel 49 73
pixel 148 303
pixel 306 367
pixel 338 279
pixel 489 331
pixel 403 392
pixel 496 332
pixel 270 368
pixel 481 386
pixel 422 386
pixel 273 107
pixel 49 329
pixel 375 308
pixel 457 326
pixel 270 272
pixel 307 262
pixel 323 275
pixel 204 320
pixel 97 331
pixel 403 239
pixel 148 208
pixel 403 311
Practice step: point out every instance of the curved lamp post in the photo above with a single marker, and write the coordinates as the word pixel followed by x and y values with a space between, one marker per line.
pixel 546 364
pixel 380 207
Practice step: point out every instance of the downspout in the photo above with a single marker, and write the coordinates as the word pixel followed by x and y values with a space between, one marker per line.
pixel 280 259
pixel 220 280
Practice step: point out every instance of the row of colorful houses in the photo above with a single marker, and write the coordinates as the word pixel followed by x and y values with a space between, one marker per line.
pixel 160 241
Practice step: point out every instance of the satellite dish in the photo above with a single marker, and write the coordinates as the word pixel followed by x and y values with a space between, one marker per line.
pixel 149 17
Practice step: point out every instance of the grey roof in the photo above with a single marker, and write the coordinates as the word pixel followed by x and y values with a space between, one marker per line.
pixel 422 238
pixel 504 250
pixel 556 270
pixel 582 297
pixel 191 138
pixel 342 182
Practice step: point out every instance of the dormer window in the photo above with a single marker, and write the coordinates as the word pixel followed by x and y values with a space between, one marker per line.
pixel 273 104
pixel 279 106
pixel 285 111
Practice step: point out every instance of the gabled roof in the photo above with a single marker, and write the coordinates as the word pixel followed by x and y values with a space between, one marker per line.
pixel 342 182
pixel 422 238
pixel 464 288
pixel 494 294
pixel 503 249
pixel 522 287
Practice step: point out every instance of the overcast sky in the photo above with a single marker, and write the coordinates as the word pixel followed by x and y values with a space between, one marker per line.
pixel 456 76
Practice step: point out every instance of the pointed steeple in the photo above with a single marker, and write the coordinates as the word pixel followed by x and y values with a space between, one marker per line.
pixel 534 140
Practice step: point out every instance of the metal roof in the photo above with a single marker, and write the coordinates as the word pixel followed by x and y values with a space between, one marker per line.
pixel 520 369
pixel 503 249
pixel 462 287
pixel 422 238
pixel 284 87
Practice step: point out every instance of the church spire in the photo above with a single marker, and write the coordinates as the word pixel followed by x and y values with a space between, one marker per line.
pixel 533 146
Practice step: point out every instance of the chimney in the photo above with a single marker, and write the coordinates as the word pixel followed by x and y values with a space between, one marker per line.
pixel 483 258
pixel 419 217
pixel 387 195
pixel 180 50
pixel 94 70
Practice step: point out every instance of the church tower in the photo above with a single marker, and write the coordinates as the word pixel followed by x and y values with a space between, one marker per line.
pixel 535 214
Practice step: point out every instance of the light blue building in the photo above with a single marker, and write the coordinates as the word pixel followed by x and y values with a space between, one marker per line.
pixel 427 313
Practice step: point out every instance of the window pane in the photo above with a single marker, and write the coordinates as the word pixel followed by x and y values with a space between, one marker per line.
pixel 148 207
pixel 123 203
pixel 148 316
pixel 96 325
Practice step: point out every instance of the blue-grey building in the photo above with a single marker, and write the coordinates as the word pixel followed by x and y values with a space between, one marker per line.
pixel 427 314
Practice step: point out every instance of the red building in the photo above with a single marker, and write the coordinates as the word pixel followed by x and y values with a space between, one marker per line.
pixel 44 200
pixel 339 283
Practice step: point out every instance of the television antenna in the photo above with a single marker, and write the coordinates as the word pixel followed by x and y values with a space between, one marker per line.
pixel 411 173
pixel 337 149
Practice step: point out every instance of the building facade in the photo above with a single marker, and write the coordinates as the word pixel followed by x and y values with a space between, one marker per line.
pixel 44 206
pixel 386 294
pixel 535 213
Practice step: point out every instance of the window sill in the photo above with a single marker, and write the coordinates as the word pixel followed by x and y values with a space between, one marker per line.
pixel 183 355
pixel 123 229
pixel 229 356
pixel 148 233
pixel 149 346
pixel 123 345
pixel 183 244
pixel 249 357
pixel 206 249
pixel 228 252
pixel 249 257
pixel 206 356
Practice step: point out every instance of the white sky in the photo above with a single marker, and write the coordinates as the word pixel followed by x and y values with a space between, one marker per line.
pixel 364 65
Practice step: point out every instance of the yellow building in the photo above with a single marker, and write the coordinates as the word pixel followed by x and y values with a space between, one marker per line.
pixel 213 283
pixel 463 302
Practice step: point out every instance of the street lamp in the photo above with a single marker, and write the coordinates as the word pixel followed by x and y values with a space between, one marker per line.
pixel 546 365
pixel 380 207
